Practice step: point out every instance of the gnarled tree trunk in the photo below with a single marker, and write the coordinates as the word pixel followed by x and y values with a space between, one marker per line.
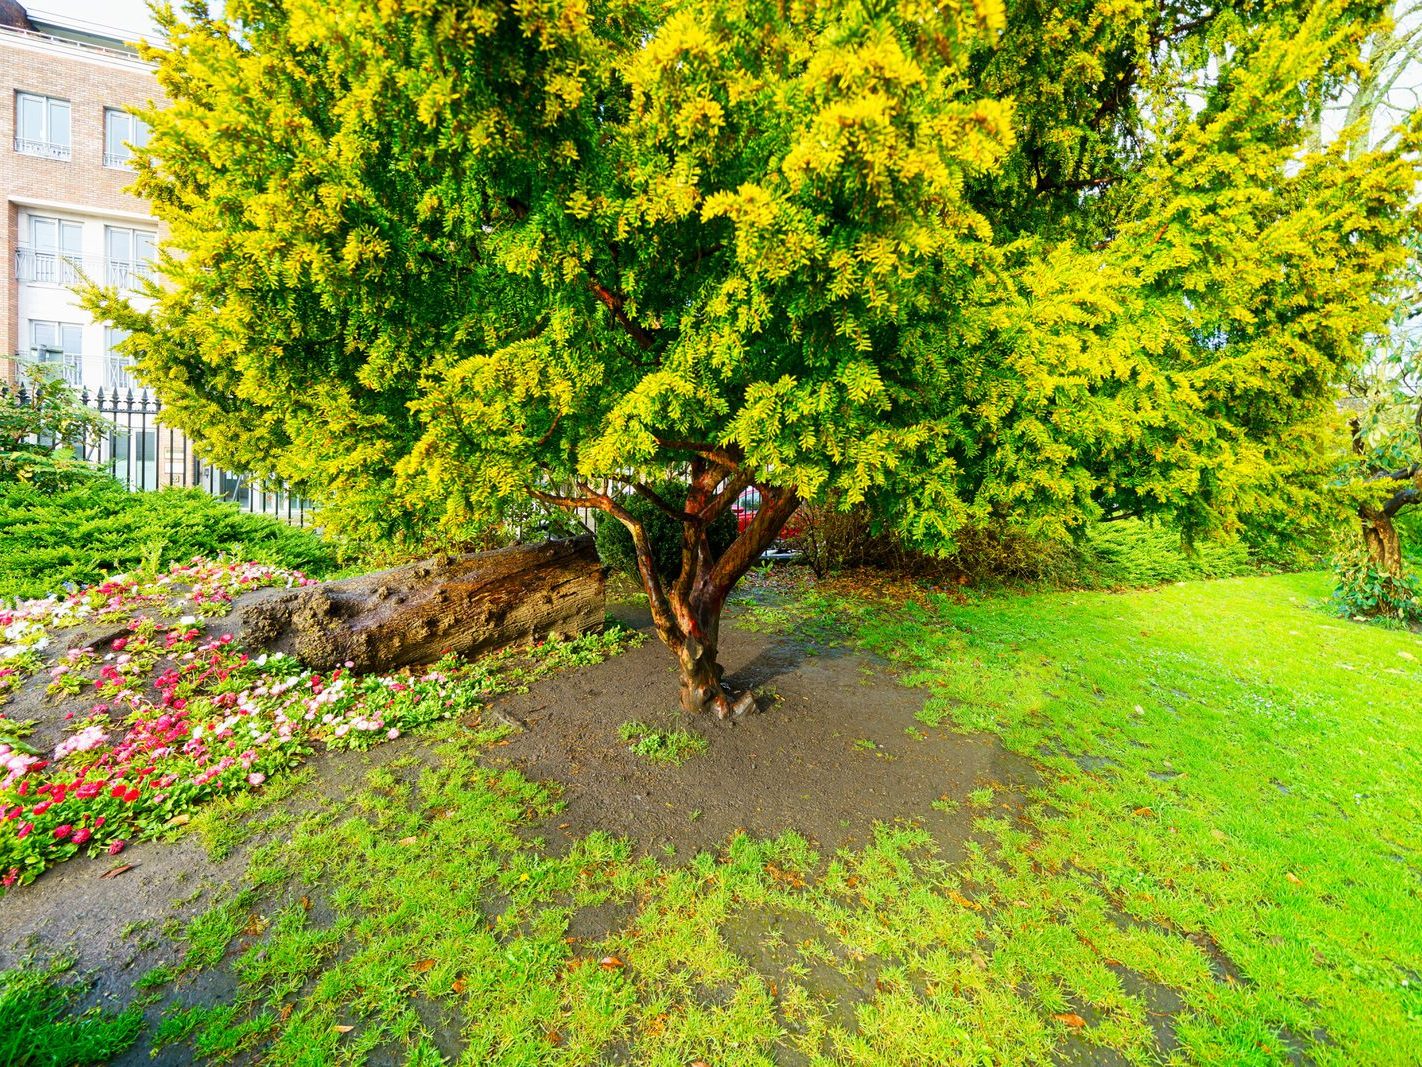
pixel 1381 540
pixel 416 613
pixel 687 613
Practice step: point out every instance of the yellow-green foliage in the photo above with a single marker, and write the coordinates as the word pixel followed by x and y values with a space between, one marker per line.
pixel 1023 261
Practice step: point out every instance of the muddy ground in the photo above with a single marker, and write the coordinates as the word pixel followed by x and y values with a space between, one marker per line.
pixel 830 755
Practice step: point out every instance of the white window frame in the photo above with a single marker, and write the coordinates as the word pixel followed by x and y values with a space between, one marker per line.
pixel 118 368
pixel 57 265
pixel 70 361
pixel 46 146
pixel 135 133
pixel 124 271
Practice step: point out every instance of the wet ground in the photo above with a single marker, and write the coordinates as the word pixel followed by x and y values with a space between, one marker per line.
pixel 836 750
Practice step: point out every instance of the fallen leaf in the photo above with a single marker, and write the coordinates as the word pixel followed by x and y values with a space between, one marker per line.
pixel 179 820
pixel 554 1037
pixel 1144 813
pixel 408 840
pixel 1291 876
pixel 343 1029
pixel 459 985
pixel 1070 1018
pixel 421 966
pixel 305 903
pixel 962 901
pixel 610 963
pixel 1219 835
pixel 285 1012
pixel 114 872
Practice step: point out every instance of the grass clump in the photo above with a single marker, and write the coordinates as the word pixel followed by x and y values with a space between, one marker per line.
pixel 39 1027
pixel 661 746
pixel 76 536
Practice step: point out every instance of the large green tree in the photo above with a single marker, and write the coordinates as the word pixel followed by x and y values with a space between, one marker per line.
pixel 1043 262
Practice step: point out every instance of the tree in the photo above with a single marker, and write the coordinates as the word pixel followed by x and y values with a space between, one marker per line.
pixel 1383 475
pixel 959 263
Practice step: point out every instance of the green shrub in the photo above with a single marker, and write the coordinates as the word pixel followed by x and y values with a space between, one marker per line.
pixel 79 534
pixel 614 543
pixel 1362 590
pixel 39 1027
pixel 1134 553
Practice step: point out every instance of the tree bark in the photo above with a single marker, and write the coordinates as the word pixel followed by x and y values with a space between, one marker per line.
pixel 416 613
pixel 1381 540
pixel 687 613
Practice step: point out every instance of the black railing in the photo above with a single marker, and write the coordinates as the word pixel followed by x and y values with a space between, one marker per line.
pixel 144 454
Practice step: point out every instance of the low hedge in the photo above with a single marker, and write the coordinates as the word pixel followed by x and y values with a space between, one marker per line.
pixel 78 535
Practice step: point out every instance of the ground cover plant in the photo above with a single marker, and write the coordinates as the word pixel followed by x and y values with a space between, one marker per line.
pixel 40 1028
pixel 53 539
pixel 165 714
pixel 1218 863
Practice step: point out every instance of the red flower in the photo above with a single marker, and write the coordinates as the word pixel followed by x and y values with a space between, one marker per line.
pixel 117 847
pixel 61 832
pixel 131 796
pixel 81 835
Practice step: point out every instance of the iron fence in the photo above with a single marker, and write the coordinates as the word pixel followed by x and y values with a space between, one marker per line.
pixel 138 449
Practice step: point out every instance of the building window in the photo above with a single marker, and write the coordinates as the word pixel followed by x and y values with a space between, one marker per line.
pixel 41 126
pixel 118 368
pixel 120 131
pixel 60 346
pixel 130 255
pixel 54 251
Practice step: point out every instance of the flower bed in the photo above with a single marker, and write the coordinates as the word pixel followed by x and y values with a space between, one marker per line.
pixel 197 716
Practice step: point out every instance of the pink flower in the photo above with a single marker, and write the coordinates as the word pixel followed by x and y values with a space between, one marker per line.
pixel 120 644
pixel 392 733
pixel 11 877
pixel 256 778
pixel 24 831
pixel 81 835
pixel 61 832
pixel 117 847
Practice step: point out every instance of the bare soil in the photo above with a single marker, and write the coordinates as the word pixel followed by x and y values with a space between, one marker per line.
pixel 828 757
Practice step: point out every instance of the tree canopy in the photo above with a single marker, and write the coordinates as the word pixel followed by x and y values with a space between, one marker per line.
pixel 954 262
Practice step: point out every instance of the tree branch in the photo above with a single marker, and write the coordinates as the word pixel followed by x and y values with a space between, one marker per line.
pixel 730 457
pixel 755 539
pixel 614 302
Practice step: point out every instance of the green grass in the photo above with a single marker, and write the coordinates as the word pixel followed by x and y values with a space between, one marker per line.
pixel 1223 845
pixel 39 1026
pixel 661 746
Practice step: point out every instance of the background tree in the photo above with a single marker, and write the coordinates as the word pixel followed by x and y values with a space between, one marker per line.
pixel 955 263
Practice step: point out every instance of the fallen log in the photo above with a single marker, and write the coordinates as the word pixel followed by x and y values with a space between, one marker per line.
pixel 414 614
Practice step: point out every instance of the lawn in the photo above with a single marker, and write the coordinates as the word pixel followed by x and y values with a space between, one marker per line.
pixel 1218 861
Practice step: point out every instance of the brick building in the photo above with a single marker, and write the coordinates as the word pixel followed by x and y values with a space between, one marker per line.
pixel 62 176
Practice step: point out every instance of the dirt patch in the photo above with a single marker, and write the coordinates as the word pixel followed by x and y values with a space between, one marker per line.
pixel 830 756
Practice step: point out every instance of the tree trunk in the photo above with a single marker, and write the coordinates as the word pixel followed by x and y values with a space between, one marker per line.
pixel 1380 538
pixel 686 613
pixel 416 613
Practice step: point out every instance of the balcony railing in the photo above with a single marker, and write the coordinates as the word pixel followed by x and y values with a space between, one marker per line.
pixel 125 274
pixel 54 268
pixel 60 268
pixel 118 373
pixel 47 149
pixel 70 365
pixel 118 162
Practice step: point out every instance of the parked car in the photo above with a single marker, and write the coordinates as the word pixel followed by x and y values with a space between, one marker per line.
pixel 748 503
